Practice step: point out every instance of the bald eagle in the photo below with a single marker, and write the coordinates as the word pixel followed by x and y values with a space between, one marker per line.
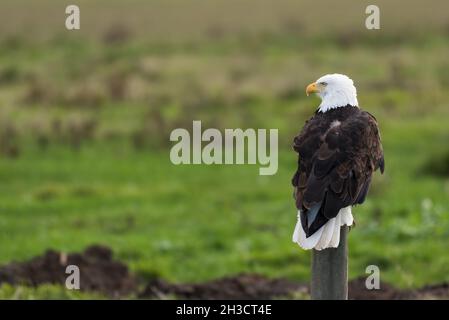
pixel 339 148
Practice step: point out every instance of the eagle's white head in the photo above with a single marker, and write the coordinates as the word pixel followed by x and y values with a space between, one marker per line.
pixel 335 90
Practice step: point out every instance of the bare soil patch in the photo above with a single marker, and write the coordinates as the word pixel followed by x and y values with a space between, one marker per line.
pixel 101 273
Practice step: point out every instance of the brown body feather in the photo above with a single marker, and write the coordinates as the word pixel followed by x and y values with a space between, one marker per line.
pixel 338 152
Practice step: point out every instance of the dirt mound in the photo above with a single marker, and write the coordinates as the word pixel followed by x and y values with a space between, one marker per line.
pixel 437 291
pixel 98 271
pixel 240 287
pixel 358 291
pixel 254 286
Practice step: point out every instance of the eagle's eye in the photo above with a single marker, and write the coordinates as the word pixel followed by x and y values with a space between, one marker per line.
pixel 322 83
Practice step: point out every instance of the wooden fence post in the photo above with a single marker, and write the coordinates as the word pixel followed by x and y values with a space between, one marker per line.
pixel 330 271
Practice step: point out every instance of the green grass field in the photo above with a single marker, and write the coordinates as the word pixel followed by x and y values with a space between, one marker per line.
pixel 84 148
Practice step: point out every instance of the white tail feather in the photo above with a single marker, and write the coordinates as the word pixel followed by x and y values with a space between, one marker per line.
pixel 328 236
pixel 336 236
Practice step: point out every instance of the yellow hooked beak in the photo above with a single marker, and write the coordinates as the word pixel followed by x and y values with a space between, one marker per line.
pixel 312 88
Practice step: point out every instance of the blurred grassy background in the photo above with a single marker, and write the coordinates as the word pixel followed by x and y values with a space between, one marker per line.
pixel 85 118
